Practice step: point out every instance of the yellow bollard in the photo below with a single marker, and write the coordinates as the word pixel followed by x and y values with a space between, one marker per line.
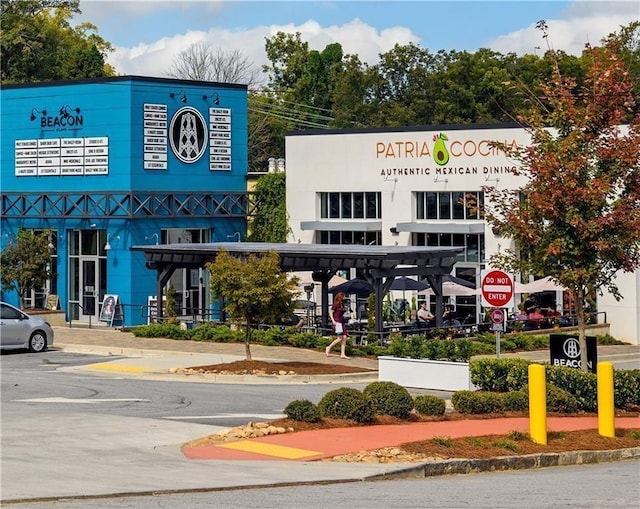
pixel 606 408
pixel 537 404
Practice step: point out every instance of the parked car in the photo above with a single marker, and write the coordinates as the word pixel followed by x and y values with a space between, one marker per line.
pixel 20 330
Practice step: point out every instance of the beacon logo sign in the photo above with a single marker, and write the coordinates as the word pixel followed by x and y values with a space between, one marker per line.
pixel 565 351
pixel 571 348
pixel 188 135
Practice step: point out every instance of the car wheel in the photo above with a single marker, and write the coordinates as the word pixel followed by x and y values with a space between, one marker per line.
pixel 37 342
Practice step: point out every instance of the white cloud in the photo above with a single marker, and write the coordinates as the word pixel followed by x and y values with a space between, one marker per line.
pixel 584 22
pixel 355 37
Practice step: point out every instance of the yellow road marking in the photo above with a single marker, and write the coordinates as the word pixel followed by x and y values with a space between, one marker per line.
pixel 269 449
pixel 118 367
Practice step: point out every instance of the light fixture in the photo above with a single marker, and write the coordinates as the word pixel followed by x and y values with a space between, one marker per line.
pixel 36 110
pixel 107 246
pixel 65 111
pixel 151 236
pixel 214 96
pixel 182 94
pixel 234 235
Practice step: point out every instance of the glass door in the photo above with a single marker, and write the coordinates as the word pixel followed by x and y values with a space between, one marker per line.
pixel 88 290
pixel 87 274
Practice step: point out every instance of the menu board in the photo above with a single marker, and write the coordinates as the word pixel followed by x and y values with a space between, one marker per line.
pixel 219 139
pixel 155 136
pixel 62 156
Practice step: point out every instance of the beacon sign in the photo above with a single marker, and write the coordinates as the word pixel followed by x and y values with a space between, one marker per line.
pixel 565 351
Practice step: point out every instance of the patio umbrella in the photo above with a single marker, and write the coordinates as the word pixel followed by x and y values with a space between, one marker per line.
pixel 358 287
pixel 459 281
pixel 404 284
pixel 449 288
pixel 545 284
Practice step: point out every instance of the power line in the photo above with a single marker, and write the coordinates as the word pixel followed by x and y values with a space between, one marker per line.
pixel 299 121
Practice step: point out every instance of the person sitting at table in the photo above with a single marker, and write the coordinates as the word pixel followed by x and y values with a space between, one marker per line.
pixel 535 318
pixel 425 317
pixel 450 317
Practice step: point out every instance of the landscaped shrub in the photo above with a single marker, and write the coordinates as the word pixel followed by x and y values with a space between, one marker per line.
pixel 515 401
pixel 216 333
pixel 626 387
pixel 560 401
pixel 302 410
pixel 491 374
pixel 426 404
pixel 346 403
pixel 389 398
pixel 583 386
pixel 154 330
pixel 468 402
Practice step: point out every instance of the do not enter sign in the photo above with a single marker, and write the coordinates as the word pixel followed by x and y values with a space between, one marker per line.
pixel 497 289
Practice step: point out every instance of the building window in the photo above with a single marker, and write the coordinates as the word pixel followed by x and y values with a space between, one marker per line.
pixel 350 205
pixel 349 238
pixel 447 205
pixel 472 242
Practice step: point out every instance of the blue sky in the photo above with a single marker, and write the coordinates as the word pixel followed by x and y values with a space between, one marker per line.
pixel 148 34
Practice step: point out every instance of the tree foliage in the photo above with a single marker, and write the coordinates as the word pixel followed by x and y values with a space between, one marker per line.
pixel 270 222
pixel 254 289
pixel 39 44
pixel 25 263
pixel 578 217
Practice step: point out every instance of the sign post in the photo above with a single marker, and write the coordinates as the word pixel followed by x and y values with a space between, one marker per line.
pixel 497 292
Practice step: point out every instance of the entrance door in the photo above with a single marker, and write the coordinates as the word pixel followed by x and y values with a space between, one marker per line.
pixel 87 274
pixel 88 289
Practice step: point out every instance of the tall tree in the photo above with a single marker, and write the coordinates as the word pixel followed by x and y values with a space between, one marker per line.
pixel 255 290
pixel 578 217
pixel 39 44
pixel 25 262
pixel 270 222
pixel 202 61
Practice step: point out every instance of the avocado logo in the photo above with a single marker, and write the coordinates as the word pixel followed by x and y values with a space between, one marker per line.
pixel 440 152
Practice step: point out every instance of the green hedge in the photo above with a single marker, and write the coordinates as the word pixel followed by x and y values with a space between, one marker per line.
pixel 503 375
pixel 426 404
pixel 389 398
pixel 346 403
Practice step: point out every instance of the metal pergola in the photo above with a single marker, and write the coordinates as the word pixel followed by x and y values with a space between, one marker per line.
pixel 380 265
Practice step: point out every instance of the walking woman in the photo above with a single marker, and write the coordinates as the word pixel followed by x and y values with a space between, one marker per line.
pixel 339 326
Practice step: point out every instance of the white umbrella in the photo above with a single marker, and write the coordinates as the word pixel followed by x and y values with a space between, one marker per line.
pixel 449 288
pixel 546 284
pixel 307 279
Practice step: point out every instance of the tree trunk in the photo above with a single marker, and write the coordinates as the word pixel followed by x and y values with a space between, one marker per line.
pixel 247 337
pixel 582 332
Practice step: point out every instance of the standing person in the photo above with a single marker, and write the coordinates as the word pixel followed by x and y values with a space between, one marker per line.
pixel 339 326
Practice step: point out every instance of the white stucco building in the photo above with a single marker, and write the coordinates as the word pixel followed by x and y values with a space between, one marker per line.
pixel 410 186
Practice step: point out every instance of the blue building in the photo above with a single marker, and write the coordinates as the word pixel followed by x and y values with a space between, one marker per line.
pixel 106 164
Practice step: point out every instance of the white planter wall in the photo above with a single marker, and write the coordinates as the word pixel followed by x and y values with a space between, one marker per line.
pixel 425 373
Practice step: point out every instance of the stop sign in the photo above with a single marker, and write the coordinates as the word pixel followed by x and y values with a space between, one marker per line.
pixel 497 289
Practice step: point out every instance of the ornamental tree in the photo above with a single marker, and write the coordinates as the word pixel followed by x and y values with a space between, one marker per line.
pixel 255 289
pixel 25 263
pixel 578 217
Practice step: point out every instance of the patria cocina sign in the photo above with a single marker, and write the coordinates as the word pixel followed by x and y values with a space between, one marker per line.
pixel 439 155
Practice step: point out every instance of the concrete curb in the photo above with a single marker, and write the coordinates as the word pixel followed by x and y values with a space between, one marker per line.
pixel 503 463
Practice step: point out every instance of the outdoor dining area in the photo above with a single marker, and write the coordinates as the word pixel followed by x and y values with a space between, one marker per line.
pixel 401 315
